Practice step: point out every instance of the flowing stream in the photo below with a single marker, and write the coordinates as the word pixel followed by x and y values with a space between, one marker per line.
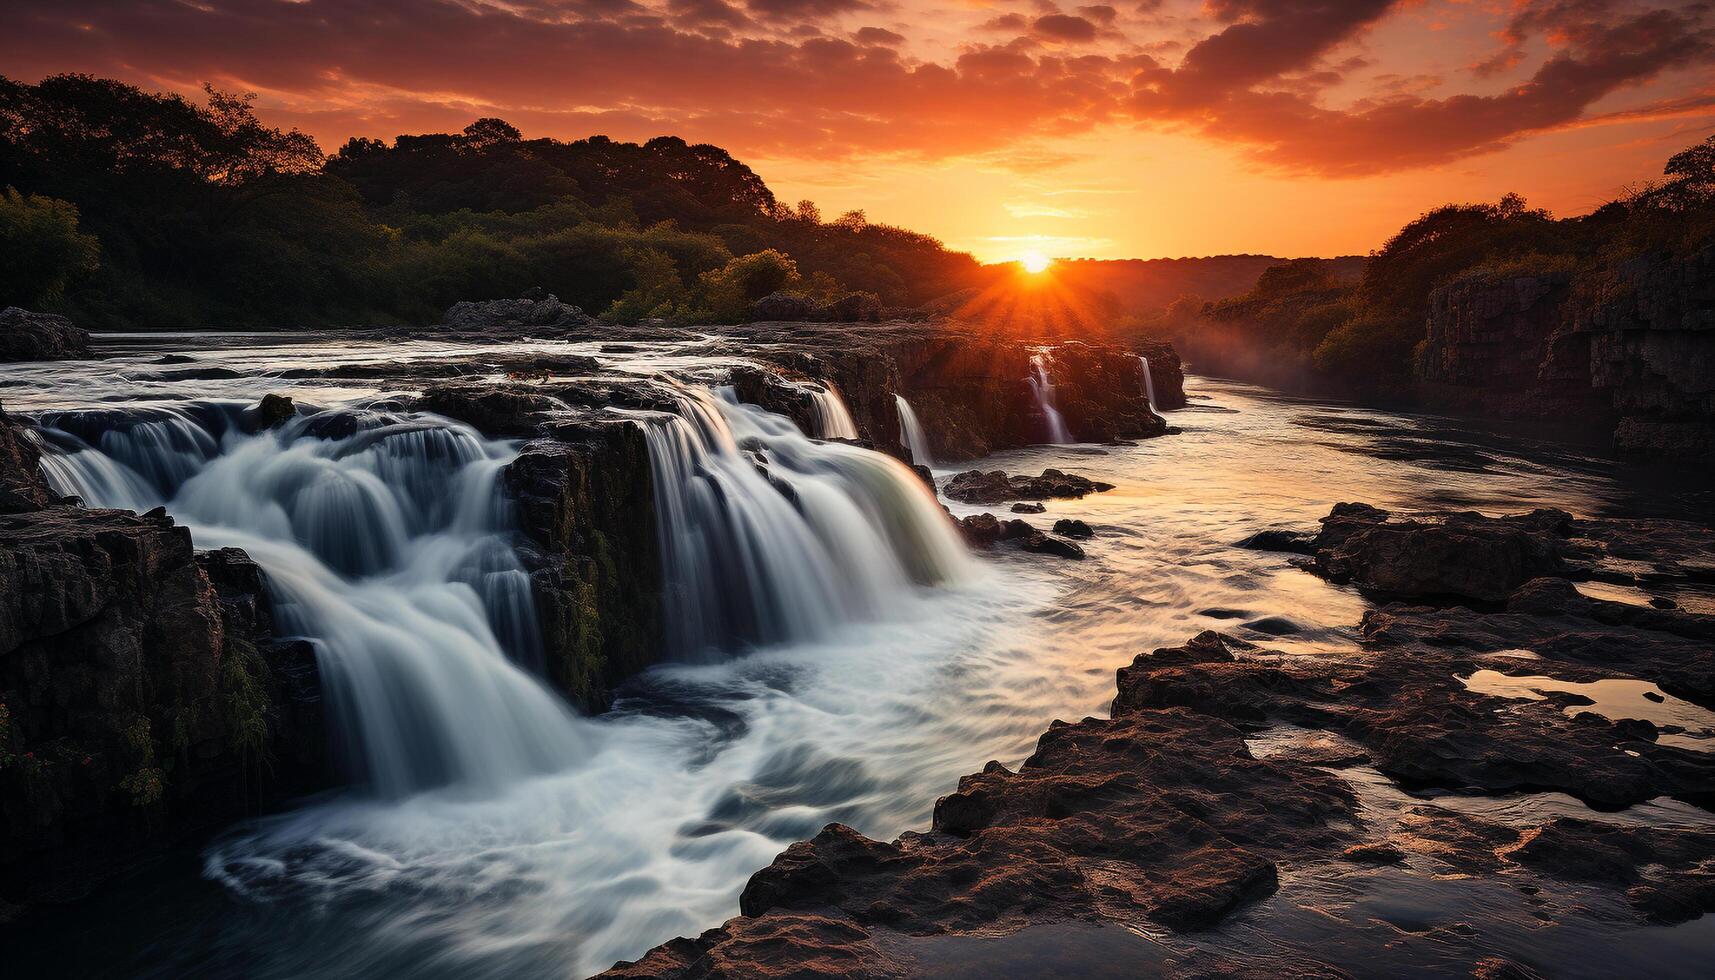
pixel 911 433
pixel 1042 389
pixel 839 660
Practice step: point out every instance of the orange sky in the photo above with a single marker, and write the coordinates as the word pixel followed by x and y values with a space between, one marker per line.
pixel 1144 128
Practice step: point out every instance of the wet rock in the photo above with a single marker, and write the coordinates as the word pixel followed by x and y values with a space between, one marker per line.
pixel 1280 539
pixel 585 502
pixel 27 336
pixel 1022 508
pixel 995 486
pixel 1042 544
pixel 272 411
pixel 22 487
pixel 1374 854
pixel 1668 875
pixel 980 530
pixel 1072 528
pixel 1464 556
pixel 143 697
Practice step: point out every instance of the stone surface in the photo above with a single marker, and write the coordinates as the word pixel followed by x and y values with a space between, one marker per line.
pixel 27 336
pixel 995 486
pixel 1630 350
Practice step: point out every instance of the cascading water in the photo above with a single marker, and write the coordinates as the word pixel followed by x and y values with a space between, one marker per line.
pixel 911 433
pixel 1042 389
pixel 833 419
pixel 768 536
pixel 1148 383
pixel 384 539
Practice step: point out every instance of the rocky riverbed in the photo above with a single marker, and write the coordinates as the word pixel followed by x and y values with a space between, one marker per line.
pixel 1228 773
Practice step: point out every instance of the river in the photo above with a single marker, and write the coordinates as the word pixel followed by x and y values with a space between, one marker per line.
pixel 703 772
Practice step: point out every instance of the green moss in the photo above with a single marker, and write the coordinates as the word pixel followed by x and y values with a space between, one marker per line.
pixel 244 700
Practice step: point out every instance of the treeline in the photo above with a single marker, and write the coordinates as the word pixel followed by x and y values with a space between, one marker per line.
pixel 1304 320
pixel 121 207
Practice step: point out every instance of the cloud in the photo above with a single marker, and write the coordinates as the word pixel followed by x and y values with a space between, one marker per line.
pixel 804 9
pixel 881 36
pixel 786 78
pixel 1064 27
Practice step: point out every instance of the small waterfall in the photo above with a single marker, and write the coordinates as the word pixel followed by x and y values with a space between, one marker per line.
pixel 385 542
pixel 911 433
pixel 833 419
pixel 768 536
pixel 1148 383
pixel 1042 389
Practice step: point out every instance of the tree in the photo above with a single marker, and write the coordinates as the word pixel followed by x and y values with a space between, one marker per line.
pixel 41 249
pixel 727 292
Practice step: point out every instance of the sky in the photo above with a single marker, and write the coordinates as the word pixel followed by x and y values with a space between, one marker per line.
pixel 1135 128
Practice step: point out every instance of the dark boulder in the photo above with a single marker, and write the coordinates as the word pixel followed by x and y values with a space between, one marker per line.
pixel 783 307
pixel 1072 528
pixel 994 486
pixel 27 336
pixel 534 309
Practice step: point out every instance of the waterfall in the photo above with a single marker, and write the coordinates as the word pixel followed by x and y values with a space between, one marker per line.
pixel 911 433
pixel 385 542
pixel 1042 389
pixel 833 419
pixel 1148 383
pixel 768 536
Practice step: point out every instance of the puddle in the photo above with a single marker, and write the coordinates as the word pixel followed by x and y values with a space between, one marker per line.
pixel 1613 698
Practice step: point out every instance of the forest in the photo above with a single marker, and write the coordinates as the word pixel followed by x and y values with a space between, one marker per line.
pixel 126 208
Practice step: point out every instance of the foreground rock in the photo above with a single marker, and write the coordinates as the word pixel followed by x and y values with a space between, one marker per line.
pixel 1218 781
pixel 26 336
pixel 143 698
pixel 995 487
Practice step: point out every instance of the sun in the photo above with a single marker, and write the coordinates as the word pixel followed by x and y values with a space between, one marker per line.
pixel 1034 262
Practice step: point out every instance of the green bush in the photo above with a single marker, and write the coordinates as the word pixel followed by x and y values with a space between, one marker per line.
pixel 41 249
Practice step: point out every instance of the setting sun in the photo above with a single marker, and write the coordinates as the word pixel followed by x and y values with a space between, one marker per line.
pixel 1034 262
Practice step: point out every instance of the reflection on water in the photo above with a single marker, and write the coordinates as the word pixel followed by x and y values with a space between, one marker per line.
pixel 1613 698
pixel 702 773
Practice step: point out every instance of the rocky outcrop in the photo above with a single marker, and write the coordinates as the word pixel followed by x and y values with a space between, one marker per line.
pixel 1627 350
pixel 142 698
pixel 1217 781
pixel 586 504
pixel 26 336
pixel 1470 557
pixel 535 309
pixel 995 487
pixel 968 388
pixel 791 307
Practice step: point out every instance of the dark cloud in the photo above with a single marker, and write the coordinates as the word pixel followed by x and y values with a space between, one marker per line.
pixel 881 36
pixel 1006 24
pixel 704 13
pixel 1064 27
pixel 805 9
